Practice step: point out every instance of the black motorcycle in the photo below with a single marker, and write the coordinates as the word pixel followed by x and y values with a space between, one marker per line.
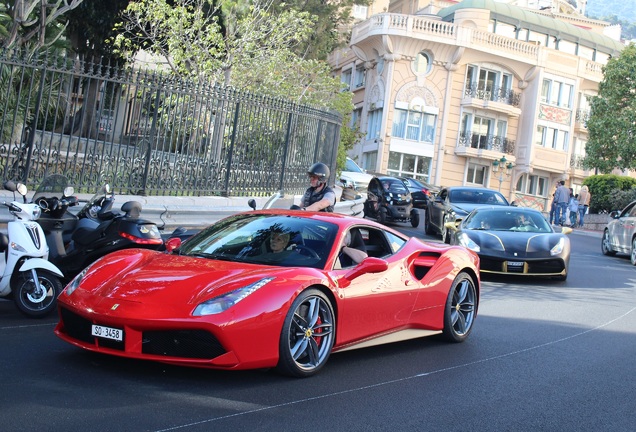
pixel 75 241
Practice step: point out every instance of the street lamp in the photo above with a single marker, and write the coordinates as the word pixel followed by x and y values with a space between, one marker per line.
pixel 503 167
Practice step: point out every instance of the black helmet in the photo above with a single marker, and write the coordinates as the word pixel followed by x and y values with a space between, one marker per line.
pixel 319 170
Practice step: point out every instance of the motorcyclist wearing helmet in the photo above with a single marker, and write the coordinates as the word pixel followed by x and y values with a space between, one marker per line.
pixel 319 196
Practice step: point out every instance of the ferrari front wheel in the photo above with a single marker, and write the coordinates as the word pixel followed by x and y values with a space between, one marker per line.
pixel 460 309
pixel 308 335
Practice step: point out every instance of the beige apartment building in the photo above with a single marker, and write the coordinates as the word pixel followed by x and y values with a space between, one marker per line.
pixel 478 92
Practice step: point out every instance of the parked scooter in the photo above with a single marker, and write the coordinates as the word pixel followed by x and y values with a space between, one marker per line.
pixel 33 281
pixel 76 241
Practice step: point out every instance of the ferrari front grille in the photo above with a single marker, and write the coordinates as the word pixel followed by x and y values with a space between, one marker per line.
pixel 198 344
pixel 76 326
pixel 79 328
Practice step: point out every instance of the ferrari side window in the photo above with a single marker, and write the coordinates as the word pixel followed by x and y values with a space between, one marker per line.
pixel 395 242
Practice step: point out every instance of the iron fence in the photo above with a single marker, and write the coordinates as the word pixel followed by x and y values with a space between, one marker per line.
pixel 146 132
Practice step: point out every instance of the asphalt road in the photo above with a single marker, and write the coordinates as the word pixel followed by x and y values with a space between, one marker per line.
pixel 544 355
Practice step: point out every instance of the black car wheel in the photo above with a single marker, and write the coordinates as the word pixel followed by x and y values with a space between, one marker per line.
pixel 428 229
pixel 606 248
pixel 632 255
pixel 415 218
pixel 460 309
pixel 308 335
pixel 383 215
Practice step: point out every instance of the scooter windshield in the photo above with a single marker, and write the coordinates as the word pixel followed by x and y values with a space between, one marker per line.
pixel 51 186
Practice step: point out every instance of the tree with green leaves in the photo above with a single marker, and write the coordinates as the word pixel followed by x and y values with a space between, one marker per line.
pixel 253 46
pixel 612 123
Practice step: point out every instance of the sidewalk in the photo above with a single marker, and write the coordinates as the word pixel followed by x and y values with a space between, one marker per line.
pixel 189 212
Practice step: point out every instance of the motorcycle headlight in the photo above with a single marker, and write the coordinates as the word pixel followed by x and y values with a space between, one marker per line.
pixel 558 248
pixel 224 302
pixel 467 242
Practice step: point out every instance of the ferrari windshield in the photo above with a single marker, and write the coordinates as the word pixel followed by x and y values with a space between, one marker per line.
pixel 279 240
pixel 507 220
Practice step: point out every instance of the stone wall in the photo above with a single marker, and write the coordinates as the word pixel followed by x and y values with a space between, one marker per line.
pixel 596 222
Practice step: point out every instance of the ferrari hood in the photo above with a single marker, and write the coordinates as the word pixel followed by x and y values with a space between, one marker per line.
pixel 156 278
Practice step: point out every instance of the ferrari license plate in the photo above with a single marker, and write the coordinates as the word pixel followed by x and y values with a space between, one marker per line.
pixel 107 332
pixel 515 263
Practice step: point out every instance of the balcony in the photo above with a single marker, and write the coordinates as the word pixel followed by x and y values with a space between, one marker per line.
pixel 484 146
pixel 580 121
pixel 495 98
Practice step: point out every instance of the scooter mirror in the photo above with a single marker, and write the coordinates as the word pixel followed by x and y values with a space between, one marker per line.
pixel 22 189
pixel 68 191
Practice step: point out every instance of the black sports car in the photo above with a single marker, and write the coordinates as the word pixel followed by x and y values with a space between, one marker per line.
pixel 514 240
pixel 452 204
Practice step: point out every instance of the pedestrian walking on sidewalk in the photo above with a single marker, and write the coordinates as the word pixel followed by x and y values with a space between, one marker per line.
pixel 573 207
pixel 562 198
pixel 584 204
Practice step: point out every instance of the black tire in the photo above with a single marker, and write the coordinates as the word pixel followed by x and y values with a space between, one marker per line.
pixel 632 255
pixel 460 309
pixel 428 229
pixel 606 248
pixel 36 304
pixel 308 334
pixel 383 215
pixel 415 218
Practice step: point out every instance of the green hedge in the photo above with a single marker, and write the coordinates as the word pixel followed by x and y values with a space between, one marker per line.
pixel 610 192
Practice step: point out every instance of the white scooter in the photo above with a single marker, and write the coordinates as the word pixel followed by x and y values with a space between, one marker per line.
pixel 33 281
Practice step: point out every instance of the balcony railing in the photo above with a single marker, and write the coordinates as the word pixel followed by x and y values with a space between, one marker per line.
pixel 495 94
pixel 576 161
pixel 582 116
pixel 487 142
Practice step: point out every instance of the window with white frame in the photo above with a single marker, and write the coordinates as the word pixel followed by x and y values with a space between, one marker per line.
pixel 345 78
pixel 553 138
pixel 422 63
pixel 355 118
pixel 408 165
pixel 369 161
pixel 374 123
pixel 476 174
pixel 481 131
pixel 533 185
pixel 360 76
pixel 414 125
pixel 360 12
pixel 557 93
pixel 487 84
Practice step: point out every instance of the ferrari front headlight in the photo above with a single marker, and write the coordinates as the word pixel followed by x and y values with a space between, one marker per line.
pixel 467 242
pixel 77 280
pixel 224 302
pixel 558 248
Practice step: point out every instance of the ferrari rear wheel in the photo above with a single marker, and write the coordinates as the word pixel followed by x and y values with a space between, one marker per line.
pixel 308 335
pixel 606 248
pixel 460 309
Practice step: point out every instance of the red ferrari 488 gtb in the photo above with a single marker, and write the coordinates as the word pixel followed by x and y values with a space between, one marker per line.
pixel 271 288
